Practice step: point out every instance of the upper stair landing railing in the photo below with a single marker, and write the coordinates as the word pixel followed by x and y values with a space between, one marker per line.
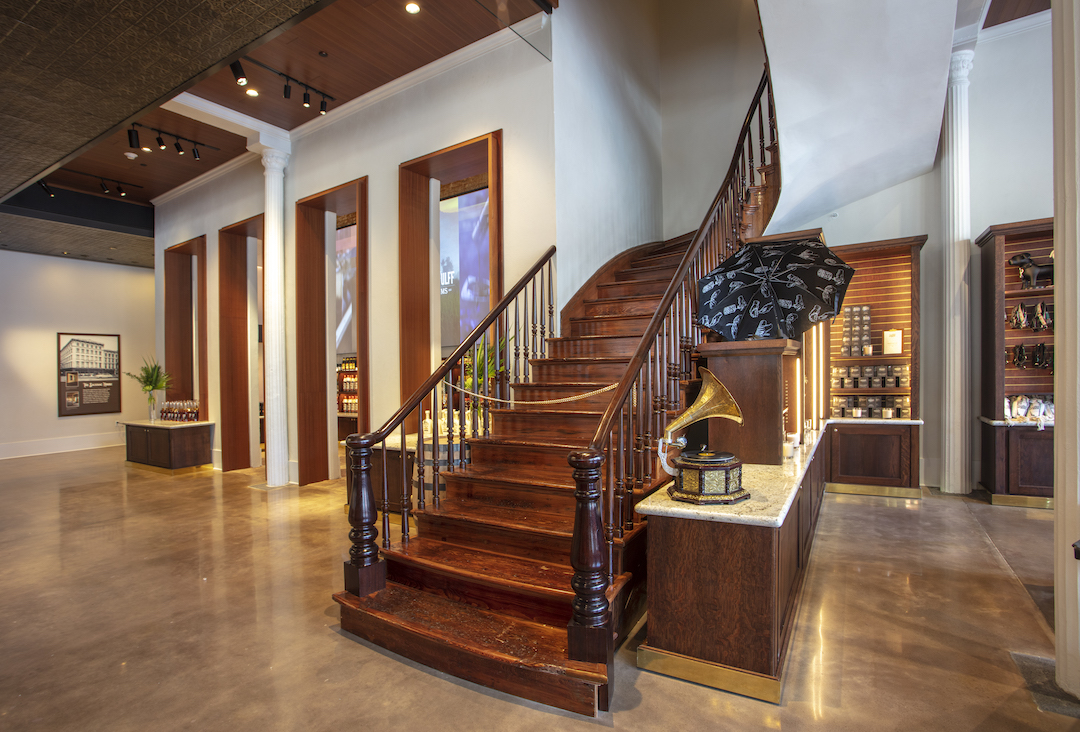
pixel 620 463
pixel 494 355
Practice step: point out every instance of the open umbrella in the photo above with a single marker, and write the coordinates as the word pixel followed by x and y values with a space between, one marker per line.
pixel 773 290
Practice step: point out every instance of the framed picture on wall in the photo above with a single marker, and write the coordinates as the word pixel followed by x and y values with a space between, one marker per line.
pixel 88 369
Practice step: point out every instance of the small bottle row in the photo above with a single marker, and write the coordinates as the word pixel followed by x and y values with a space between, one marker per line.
pixel 182 411
pixel 855 335
pixel 350 404
pixel 347 364
pixel 349 383
pixel 882 376
pixel 871 407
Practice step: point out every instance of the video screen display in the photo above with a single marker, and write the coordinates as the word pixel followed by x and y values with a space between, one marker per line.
pixel 464 274
pixel 345 280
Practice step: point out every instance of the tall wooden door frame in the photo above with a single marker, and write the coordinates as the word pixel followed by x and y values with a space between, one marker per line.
pixel 180 335
pixel 312 370
pixel 477 156
pixel 234 367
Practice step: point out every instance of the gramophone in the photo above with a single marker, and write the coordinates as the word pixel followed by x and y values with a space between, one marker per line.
pixel 704 476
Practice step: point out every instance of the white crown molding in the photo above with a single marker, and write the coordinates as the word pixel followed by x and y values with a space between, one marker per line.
pixel 1013 27
pixel 462 56
pixel 224 169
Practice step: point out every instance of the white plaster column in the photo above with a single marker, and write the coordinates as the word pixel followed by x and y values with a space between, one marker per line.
pixel 277 419
pixel 1066 64
pixel 957 416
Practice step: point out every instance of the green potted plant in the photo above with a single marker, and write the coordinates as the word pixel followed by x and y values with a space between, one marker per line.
pixel 151 378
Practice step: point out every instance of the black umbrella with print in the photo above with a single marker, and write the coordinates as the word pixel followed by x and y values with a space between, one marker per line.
pixel 773 290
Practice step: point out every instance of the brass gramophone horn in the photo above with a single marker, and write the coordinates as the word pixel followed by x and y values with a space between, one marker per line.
pixel 714 400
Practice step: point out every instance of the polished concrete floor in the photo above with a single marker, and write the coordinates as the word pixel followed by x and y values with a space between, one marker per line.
pixel 135 601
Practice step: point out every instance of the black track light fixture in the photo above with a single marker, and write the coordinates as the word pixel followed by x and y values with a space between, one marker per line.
pixel 195 151
pixel 104 187
pixel 133 138
pixel 286 90
pixel 121 191
pixel 307 98
pixel 161 143
pixel 322 106
pixel 238 73
pixel 287 93
pixel 178 146
pixel 45 187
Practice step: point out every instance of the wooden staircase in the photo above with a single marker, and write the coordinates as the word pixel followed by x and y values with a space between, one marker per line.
pixel 482 590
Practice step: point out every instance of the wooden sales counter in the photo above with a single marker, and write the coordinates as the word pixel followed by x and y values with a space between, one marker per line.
pixel 724 581
pixel 169 446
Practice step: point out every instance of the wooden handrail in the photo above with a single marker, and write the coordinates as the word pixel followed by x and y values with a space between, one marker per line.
pixel 448 363
pixel 626 383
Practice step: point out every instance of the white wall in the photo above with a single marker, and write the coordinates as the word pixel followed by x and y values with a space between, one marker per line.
pixel 607 133
pixel 44 296
pixel 1011 105
pixel 1011 112
pixel 508 88
pixel 711 60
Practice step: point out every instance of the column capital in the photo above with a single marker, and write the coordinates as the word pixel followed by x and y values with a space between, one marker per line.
pixel 274 160
pixel 960 65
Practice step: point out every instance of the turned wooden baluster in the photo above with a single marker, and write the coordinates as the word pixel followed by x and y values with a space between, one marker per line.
pixel 364 572
pixel 589 635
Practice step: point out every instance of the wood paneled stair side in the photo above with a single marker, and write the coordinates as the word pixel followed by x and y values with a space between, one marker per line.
pixel 481 589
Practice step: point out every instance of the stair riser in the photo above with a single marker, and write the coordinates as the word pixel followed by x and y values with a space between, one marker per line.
pixel 596 347
pixel 539 547
pixel 629 289
pixel 632 326
pixel 604 372
pixel 526 425
pixel 663 260
pixel 536 460
pixel 622 307
pixel 594 403
pixel 562 692
pixel 540 608
pixel 515 495
pixel 633 275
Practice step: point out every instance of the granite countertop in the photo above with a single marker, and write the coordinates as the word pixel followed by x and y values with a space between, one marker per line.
pixel 163 424
pixel 1015 422
pixel 869 420
pixel 772 489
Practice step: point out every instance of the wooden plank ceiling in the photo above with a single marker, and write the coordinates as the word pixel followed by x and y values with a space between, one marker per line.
pixel 346 50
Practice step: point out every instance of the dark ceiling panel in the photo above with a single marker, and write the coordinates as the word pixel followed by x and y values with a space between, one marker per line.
pixel 38 236
pixel 72 71
pixel 1002 11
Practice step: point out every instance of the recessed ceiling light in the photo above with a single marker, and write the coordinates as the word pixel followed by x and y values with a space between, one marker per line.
pixel 131 155
pixel 252 93
pixel 323 54
pixel 412 8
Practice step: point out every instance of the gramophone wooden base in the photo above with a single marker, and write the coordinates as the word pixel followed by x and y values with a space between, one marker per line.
pixel 707 499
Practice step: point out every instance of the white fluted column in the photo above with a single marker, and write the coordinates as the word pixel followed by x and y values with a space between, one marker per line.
pixel 957 416
pixel 1066 64
pixel 276 399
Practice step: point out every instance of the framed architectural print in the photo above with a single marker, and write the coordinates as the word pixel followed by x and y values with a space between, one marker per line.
pixel 88 367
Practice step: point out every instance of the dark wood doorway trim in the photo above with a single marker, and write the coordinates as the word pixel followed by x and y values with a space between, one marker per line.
pixel 312 369
pixel 234 345
pixel 470 158
pixel 180 338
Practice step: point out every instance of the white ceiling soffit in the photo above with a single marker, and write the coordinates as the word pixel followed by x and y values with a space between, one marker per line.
pixel 860 89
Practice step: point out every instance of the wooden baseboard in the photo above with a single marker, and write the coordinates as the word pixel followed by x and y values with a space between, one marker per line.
pixel 707 673
pixel 886 491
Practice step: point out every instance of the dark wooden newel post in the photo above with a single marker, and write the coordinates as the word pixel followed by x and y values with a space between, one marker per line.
pixel 364 572
pixel 589 631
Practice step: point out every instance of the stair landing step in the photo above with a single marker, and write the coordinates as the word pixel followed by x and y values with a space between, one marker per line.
pixel 516 656
pixel 490 568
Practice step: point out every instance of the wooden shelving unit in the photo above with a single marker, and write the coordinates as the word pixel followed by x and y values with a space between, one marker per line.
pixel 347 390
pixel 866 452
pixel 1017 460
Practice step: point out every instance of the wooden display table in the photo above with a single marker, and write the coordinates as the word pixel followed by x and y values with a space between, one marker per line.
pixel 724 581
pixel 169 445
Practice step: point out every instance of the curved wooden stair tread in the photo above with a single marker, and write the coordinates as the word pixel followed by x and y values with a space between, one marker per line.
pixel 526 521
pixel 530 443
pixel 500 474
pixel 478 632
pixel 487 567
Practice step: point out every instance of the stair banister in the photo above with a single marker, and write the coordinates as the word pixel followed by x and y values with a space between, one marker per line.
pixel 365 572
pixel 650 387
